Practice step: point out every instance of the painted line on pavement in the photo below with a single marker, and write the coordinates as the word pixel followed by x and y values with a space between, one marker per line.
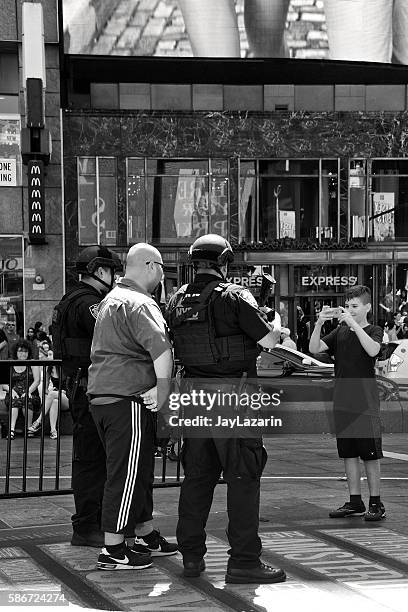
pixel 380 541
pixel 374 580
pixel 401 456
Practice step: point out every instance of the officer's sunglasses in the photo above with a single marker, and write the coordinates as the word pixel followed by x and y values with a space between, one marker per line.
pixel 156 262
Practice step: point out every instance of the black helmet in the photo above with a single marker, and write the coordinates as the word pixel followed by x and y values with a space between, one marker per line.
pixel 212 248
pixel 94 256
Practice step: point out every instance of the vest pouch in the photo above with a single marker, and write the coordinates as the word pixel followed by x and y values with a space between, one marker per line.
pixel 237 348
pixel 192 345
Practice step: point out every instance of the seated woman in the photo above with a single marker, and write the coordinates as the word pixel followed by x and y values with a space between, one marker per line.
pixel 22 383
pixel 51 403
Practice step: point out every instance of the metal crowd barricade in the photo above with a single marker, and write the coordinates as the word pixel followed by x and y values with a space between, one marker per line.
pixel 28 464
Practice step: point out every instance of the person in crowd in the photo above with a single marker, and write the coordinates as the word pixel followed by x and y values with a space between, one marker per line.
pixel 4 346
pixel 51 403
pixel 402 333
pixel 72 330
pixel 403 304
pixel 129 380
pixel 303 331
pixel 12 335
pixel 31 339
pixel 355 345
pixel 368 30
pixel 23 383
pixel 216 327
pixel 285 338
pixel 44 351
pixel 212 27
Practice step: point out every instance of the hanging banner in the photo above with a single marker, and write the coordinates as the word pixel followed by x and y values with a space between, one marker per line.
pixel 383 216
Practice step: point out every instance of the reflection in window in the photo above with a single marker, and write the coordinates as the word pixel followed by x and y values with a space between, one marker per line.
pixel 357 190
pixel 389 200
pixel 298 199
pixel 186 201
pixel 136 201
pixel 97 201
pixel 289 207
pixel 247 202
pixel 10 151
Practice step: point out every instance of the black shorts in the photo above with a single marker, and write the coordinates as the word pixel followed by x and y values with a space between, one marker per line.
pixel 365 448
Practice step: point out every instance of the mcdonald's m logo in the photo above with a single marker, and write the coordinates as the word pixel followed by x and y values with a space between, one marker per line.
pixel 36 201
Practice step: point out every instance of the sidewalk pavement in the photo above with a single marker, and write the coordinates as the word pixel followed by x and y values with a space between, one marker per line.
pixel 330 564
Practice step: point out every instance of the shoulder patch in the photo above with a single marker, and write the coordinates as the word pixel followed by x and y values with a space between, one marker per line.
pixel 247 296
pixel 94 309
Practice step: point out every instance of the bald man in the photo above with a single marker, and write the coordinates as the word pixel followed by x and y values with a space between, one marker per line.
pixel 131 359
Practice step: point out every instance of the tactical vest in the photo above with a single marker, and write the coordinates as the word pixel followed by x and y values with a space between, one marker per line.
pixel 191 321
pixel 65 347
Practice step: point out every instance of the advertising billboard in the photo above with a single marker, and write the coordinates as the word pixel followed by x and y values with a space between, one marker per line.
pixel 354 30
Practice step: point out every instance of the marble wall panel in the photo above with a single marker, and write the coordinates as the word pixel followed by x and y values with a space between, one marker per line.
pixel 46 260
pixel 11 217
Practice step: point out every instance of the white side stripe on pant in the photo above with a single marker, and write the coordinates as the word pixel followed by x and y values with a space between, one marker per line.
pixel 133 464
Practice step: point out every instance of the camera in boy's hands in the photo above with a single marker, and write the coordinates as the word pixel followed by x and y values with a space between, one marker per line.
pixel 334 312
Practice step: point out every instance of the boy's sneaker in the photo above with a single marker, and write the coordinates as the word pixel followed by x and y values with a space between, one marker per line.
pixel 375 512
pixel 126 559
pixel 156 544
pixel 348 510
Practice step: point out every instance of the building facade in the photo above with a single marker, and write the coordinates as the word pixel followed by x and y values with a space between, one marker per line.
pixel 317 195
pixel 31 266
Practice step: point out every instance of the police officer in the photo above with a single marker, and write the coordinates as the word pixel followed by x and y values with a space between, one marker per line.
pixel 216 327
pixel 72 330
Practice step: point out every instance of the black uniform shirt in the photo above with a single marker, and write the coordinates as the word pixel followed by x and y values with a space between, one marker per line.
pixel 356 388
pixel 235 312
pixel 80 323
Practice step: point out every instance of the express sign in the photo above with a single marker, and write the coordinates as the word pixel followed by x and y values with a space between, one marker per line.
pixel 329 281
pixel 245 281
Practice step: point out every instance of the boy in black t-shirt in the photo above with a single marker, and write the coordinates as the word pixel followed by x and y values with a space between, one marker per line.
pixel 355 344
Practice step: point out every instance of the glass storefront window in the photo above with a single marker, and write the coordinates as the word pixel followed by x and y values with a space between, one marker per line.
pixel 296 167
pixel 136 201
pixel 248 213
pixel 388 213
pixel 289 207
pixel 10 151
pixel 357 198
pixel 185 200
pixel 11 285
pixel 97 201
pixel 296 199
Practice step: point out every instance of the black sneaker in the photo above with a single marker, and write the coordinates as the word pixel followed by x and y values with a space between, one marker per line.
pixel 375 512
pixel 125 560
pixel 348 510
pixel 193 569
pixel 263 574
pixel 156 544
pixel 95 539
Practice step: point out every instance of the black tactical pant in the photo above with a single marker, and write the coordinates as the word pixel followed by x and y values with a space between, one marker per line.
pixel 88 466
pixel 242 462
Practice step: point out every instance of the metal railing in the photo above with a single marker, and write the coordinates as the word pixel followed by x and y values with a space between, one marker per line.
pixel 32 466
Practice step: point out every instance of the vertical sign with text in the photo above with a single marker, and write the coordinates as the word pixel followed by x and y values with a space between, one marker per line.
pixel 36 201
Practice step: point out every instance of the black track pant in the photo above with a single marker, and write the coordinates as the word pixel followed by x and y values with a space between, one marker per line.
pixel 127 432
pixel 242 462
pixel 88 467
